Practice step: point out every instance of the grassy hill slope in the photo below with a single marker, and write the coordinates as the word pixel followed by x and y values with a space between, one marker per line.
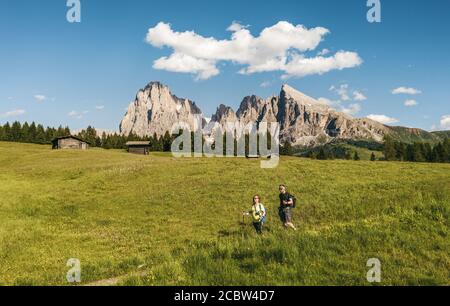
pixel 410 135
pixel 157 220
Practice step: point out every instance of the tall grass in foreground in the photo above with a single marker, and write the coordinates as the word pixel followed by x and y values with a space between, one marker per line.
pixel 157 220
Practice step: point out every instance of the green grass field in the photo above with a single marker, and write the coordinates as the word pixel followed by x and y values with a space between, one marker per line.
pixel 157 220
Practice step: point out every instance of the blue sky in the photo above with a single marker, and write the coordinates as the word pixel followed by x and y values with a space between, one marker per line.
pixel 78 74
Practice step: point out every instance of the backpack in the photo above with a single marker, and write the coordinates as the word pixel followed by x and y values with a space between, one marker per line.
pixel 294 201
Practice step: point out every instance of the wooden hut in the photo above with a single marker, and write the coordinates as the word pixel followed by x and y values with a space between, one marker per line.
pixel 138 147
pixel 69 142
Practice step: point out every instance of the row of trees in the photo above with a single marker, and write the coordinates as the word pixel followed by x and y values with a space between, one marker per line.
pixel 30 133
pixel 393 150
pixel 37 133
pixel 325 154
pixel 417 152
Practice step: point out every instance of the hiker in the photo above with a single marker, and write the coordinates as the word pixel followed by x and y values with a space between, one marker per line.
pixel 287 202
pixel 258 214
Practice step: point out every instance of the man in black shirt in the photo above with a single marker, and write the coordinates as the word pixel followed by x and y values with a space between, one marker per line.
pixel 285 209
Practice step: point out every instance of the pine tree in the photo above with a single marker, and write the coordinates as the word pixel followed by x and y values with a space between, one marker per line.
pixel 32 132
pixel 16 131
pixel 24 133
pixel 418 149
pixel 2 133
pixel 389 148
pixel 167 142
pixel 446 147
pixel 440 153
pixel 321 155
pixel 7 131
pixel 286 148
pixel 348 155
pixel 400 151
pixel 428 152
pixel 356 156
pixel 41 135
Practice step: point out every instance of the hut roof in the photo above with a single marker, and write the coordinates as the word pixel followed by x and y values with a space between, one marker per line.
pixel 138 143
pixel 70 136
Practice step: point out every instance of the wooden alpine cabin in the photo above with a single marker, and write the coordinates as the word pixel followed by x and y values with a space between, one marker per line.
pixel 138 147
pixel 69 142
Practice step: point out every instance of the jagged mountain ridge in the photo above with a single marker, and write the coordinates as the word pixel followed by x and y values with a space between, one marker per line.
pixel 155 110
pixel 303 120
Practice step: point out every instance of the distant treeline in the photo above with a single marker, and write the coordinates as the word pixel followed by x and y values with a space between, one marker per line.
pixel 36 133
pixel 417 152
pixel 30 133
pixel 393 150
pixel 118 141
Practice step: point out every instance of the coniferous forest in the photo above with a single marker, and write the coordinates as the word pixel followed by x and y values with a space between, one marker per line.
pixel 393 150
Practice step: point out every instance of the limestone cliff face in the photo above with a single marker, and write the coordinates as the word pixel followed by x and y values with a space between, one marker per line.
pixel 155 110
pixel 306 121
pixel 303 120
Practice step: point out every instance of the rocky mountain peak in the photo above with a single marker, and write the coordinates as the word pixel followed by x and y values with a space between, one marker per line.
pixel 303 120
pixel 155 110
pixel 289 93
pixel 224 114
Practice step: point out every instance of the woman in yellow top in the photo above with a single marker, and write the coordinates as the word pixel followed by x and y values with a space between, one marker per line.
pixel 258 214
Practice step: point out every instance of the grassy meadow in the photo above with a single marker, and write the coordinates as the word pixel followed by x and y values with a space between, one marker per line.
pixel 158 220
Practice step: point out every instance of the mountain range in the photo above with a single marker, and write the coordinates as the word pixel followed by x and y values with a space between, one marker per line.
pixel 304 121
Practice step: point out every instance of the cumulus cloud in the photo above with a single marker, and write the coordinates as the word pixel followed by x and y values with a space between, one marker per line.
pixel 100 107
pixel 76 114
pixel 406 91
pixel 383 119
pixel 352 109
pixel 277 48
pixel 13 113
pixel 40 98
pixel 344 93
pixel 411 103
pixel 359 96
pixel 341 91
pixel 335 104
pixel 265 84
pixel 445 122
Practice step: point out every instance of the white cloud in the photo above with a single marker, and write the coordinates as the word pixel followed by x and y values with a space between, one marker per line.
pixel 411 103
pixel 359 96
pixel 40 98
pixel 277 48
pixel 342 91
pixel 406 91
pixel 300 66
pixel 336 104
pixel 13 113
pixel 100 107
pixel 445 122
pixel 76 114
pixel 383 119
pixel 351 109
pixel 344 95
